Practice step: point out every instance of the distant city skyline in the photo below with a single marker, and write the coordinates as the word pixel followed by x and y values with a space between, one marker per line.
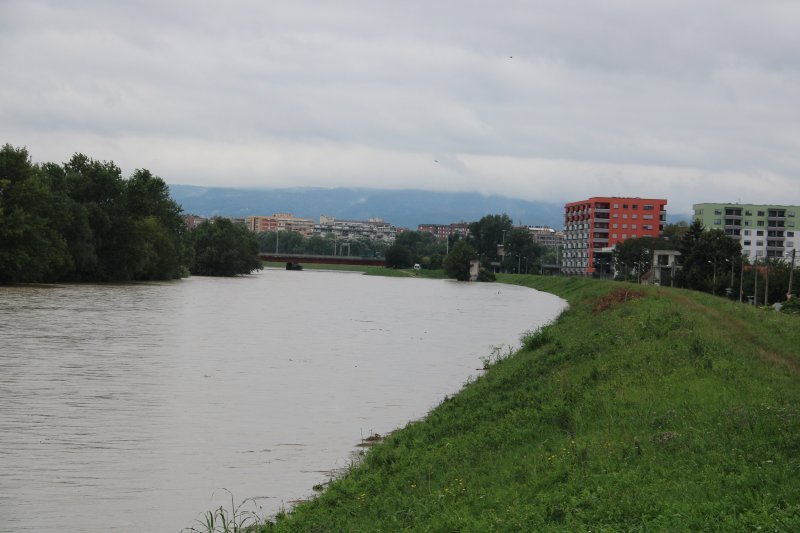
pixel 546 101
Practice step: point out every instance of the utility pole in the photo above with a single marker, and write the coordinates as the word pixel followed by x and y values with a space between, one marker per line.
pixel 741 280
pixel 755 281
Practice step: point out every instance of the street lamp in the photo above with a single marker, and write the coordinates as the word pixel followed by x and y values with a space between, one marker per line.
pixel 714 281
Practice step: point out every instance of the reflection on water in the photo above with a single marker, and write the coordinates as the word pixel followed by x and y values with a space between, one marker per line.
pixel 128 407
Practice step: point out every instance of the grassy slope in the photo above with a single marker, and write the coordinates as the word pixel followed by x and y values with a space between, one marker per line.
pixel 369 270
pixel 675 411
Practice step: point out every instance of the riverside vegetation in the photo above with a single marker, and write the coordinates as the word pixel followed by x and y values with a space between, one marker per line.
pixel 640 408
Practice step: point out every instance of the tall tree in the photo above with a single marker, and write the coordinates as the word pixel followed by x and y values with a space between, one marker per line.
pixel 222 248
pixel 31 248
pixel 456 264
pixel 486 234
pixel 706 260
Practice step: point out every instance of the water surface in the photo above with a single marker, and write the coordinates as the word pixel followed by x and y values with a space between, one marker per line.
pixel 129 407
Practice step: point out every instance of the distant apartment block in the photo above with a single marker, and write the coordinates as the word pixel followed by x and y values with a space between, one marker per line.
pixel 546 236
pixel 280 222
pixel 763 230
pixel 592 227
pixel 374 228
pixel 442 231
pixel 192 221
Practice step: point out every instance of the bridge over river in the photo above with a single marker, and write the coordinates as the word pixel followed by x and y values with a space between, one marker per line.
pixel 323 259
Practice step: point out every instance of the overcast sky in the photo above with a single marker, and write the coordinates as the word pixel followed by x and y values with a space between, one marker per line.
pixel 694 101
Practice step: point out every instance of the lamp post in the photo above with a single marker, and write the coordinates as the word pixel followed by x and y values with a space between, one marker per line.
pixel 714 279
pixel 755 281
pixel 741 279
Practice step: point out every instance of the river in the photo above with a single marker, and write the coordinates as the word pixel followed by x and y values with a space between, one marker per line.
pixel 131 407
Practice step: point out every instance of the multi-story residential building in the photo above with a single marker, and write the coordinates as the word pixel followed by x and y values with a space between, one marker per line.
pixel 374 228
pixel 441 231
pixel 763 230
pixel 546 236
pixel 280 222
pixel 192 221
pixel 592 227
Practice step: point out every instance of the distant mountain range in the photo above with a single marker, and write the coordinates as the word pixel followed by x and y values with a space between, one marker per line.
pixel 404 208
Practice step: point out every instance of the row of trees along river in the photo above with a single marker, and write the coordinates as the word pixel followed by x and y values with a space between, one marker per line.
pixel 82 221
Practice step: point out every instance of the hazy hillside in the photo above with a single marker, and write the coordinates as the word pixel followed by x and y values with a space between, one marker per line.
pixel 406 208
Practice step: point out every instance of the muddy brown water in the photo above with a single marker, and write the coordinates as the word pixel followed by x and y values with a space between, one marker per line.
pixel 130 407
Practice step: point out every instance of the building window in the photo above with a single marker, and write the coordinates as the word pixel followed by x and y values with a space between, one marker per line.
pixel 761 213
pixel 624 235
pixel 746 243
pixel 759 233
pixel 634 215
pixel 759 243
pixel 613 235
pixel 760 223
pixel 748 213
pixel 635 206
pixel 624 215
pixel 790 213
pixel 624 226
pixel 790 244
pixel 624 206
pixel 790 234
pixel 633 226
pixel 647 217
pixel 790 223
pixel 616 206
pixel 717 222
pixel 614 225
pixel 648 226
pixel 746 222
pixel 717 211
pixel 649 207
pixel 747 232
pixel 616 215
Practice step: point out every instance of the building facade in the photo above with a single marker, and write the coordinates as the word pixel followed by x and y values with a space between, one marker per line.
pixel 280 222
pixel 374 228
pixel 546 236
pixel 592 227
pixel 442 231
pixel 763 230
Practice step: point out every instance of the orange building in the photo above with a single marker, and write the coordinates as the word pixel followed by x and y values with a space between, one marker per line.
pixel 592 227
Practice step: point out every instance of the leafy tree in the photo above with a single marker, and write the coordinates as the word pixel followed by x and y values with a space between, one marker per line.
pixel 705 258
pixel 399 256
pixel 222 248
pixel 32 248
pixel 636 255
pixel 457 262
pixel 521 250
pixel 487 233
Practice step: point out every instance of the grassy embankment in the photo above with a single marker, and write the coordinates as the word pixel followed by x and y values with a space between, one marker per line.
pixel 368 270
pixel 673 410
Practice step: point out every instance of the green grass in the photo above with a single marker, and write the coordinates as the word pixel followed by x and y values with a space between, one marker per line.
pixel 673 411
pixel 369 270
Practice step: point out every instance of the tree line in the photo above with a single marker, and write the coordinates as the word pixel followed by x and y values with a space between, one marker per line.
pixel 710 261
pixel 82 221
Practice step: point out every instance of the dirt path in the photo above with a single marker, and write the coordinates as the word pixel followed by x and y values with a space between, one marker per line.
pixel 739 328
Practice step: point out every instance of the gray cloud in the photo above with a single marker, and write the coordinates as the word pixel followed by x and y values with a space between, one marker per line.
pixel 550 100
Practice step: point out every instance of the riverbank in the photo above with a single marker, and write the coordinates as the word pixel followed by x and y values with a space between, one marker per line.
pixel 639 408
